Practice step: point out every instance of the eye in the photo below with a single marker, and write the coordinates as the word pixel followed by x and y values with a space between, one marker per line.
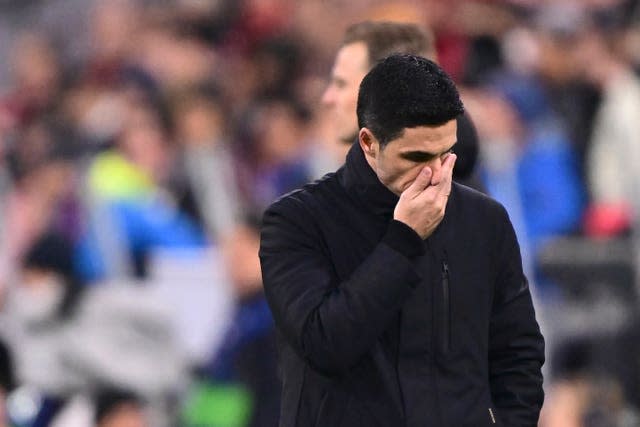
pixel 339 83
pixel 446 153
pixel 418 157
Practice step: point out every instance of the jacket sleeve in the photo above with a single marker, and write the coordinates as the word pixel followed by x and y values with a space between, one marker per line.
pixel 332 324
pixel 516 346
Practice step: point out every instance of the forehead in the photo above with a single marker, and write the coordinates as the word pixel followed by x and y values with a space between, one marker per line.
pixel 352 59
pixel 431 139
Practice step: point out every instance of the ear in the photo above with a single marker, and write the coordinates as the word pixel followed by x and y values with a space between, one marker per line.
pixel 368 142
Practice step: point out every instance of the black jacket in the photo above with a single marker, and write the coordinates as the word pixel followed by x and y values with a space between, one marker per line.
pixel 380 328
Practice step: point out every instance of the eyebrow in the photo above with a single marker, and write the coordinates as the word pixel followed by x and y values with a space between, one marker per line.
pixel 425 155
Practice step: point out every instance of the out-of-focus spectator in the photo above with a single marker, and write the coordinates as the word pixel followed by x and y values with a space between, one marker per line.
pixel 551 187
pixel 574 99
pixel 363 45
pixel 40 200
pixel 202 131
pixel 586 402
pixel 37 78
pixel 243 370
pixel 248 353
pixel 614 149
pixel 131 211
pixel 528 162
pixel 173 56
pixel 113 24
pixel 72 339
pixel 279 63
pixel 274 159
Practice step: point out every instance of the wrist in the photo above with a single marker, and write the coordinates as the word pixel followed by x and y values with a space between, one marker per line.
pixel 404 239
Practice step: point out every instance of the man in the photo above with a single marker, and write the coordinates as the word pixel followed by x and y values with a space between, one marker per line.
pixel 365 44
pixel 398 295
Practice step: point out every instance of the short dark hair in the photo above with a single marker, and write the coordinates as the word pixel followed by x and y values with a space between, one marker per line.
pixel 384 38
pixel 406 91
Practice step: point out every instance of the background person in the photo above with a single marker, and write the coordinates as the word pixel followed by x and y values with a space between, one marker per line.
pixel 363 45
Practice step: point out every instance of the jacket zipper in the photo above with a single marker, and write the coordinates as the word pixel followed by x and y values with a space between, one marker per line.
pixel 446 321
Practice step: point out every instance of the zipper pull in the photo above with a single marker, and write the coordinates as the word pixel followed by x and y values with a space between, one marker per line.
pixel 445 265
pixel 445 310
pixel 493 418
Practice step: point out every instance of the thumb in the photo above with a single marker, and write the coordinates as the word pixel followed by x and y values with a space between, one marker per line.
pixel 422 181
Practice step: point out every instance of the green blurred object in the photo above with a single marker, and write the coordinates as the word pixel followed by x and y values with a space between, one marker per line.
pixel 217 405
pixel 112 176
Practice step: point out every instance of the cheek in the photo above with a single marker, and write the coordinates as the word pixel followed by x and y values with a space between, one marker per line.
pixel 409 175
pixel 349 103
pixel 406 170
pixel 401 175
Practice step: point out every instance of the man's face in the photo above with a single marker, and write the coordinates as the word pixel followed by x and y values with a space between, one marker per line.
pixel 397 165
pixel 341 96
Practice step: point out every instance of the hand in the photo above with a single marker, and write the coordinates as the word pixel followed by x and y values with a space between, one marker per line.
pixel 423 203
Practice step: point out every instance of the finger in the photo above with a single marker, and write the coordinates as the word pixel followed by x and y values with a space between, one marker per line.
pixel 448 174
pixel 447 170
pixel 449 163
pixel 443 186
pixel 422 181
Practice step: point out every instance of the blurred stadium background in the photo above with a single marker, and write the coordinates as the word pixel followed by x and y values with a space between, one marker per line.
pixel 141 140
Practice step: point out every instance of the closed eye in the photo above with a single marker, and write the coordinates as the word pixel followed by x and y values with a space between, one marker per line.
pixel 422 156
pixel 446 153
pixel 418 156
pixel 338 82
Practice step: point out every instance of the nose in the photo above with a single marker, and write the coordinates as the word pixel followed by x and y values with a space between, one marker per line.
pixel 328 96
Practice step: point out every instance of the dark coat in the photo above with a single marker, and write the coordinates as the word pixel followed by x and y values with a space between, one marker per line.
pixel 380 328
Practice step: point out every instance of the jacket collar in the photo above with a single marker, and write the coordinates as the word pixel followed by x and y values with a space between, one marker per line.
pixel 361 182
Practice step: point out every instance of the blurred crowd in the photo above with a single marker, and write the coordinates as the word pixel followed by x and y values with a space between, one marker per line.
pixel 141 140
